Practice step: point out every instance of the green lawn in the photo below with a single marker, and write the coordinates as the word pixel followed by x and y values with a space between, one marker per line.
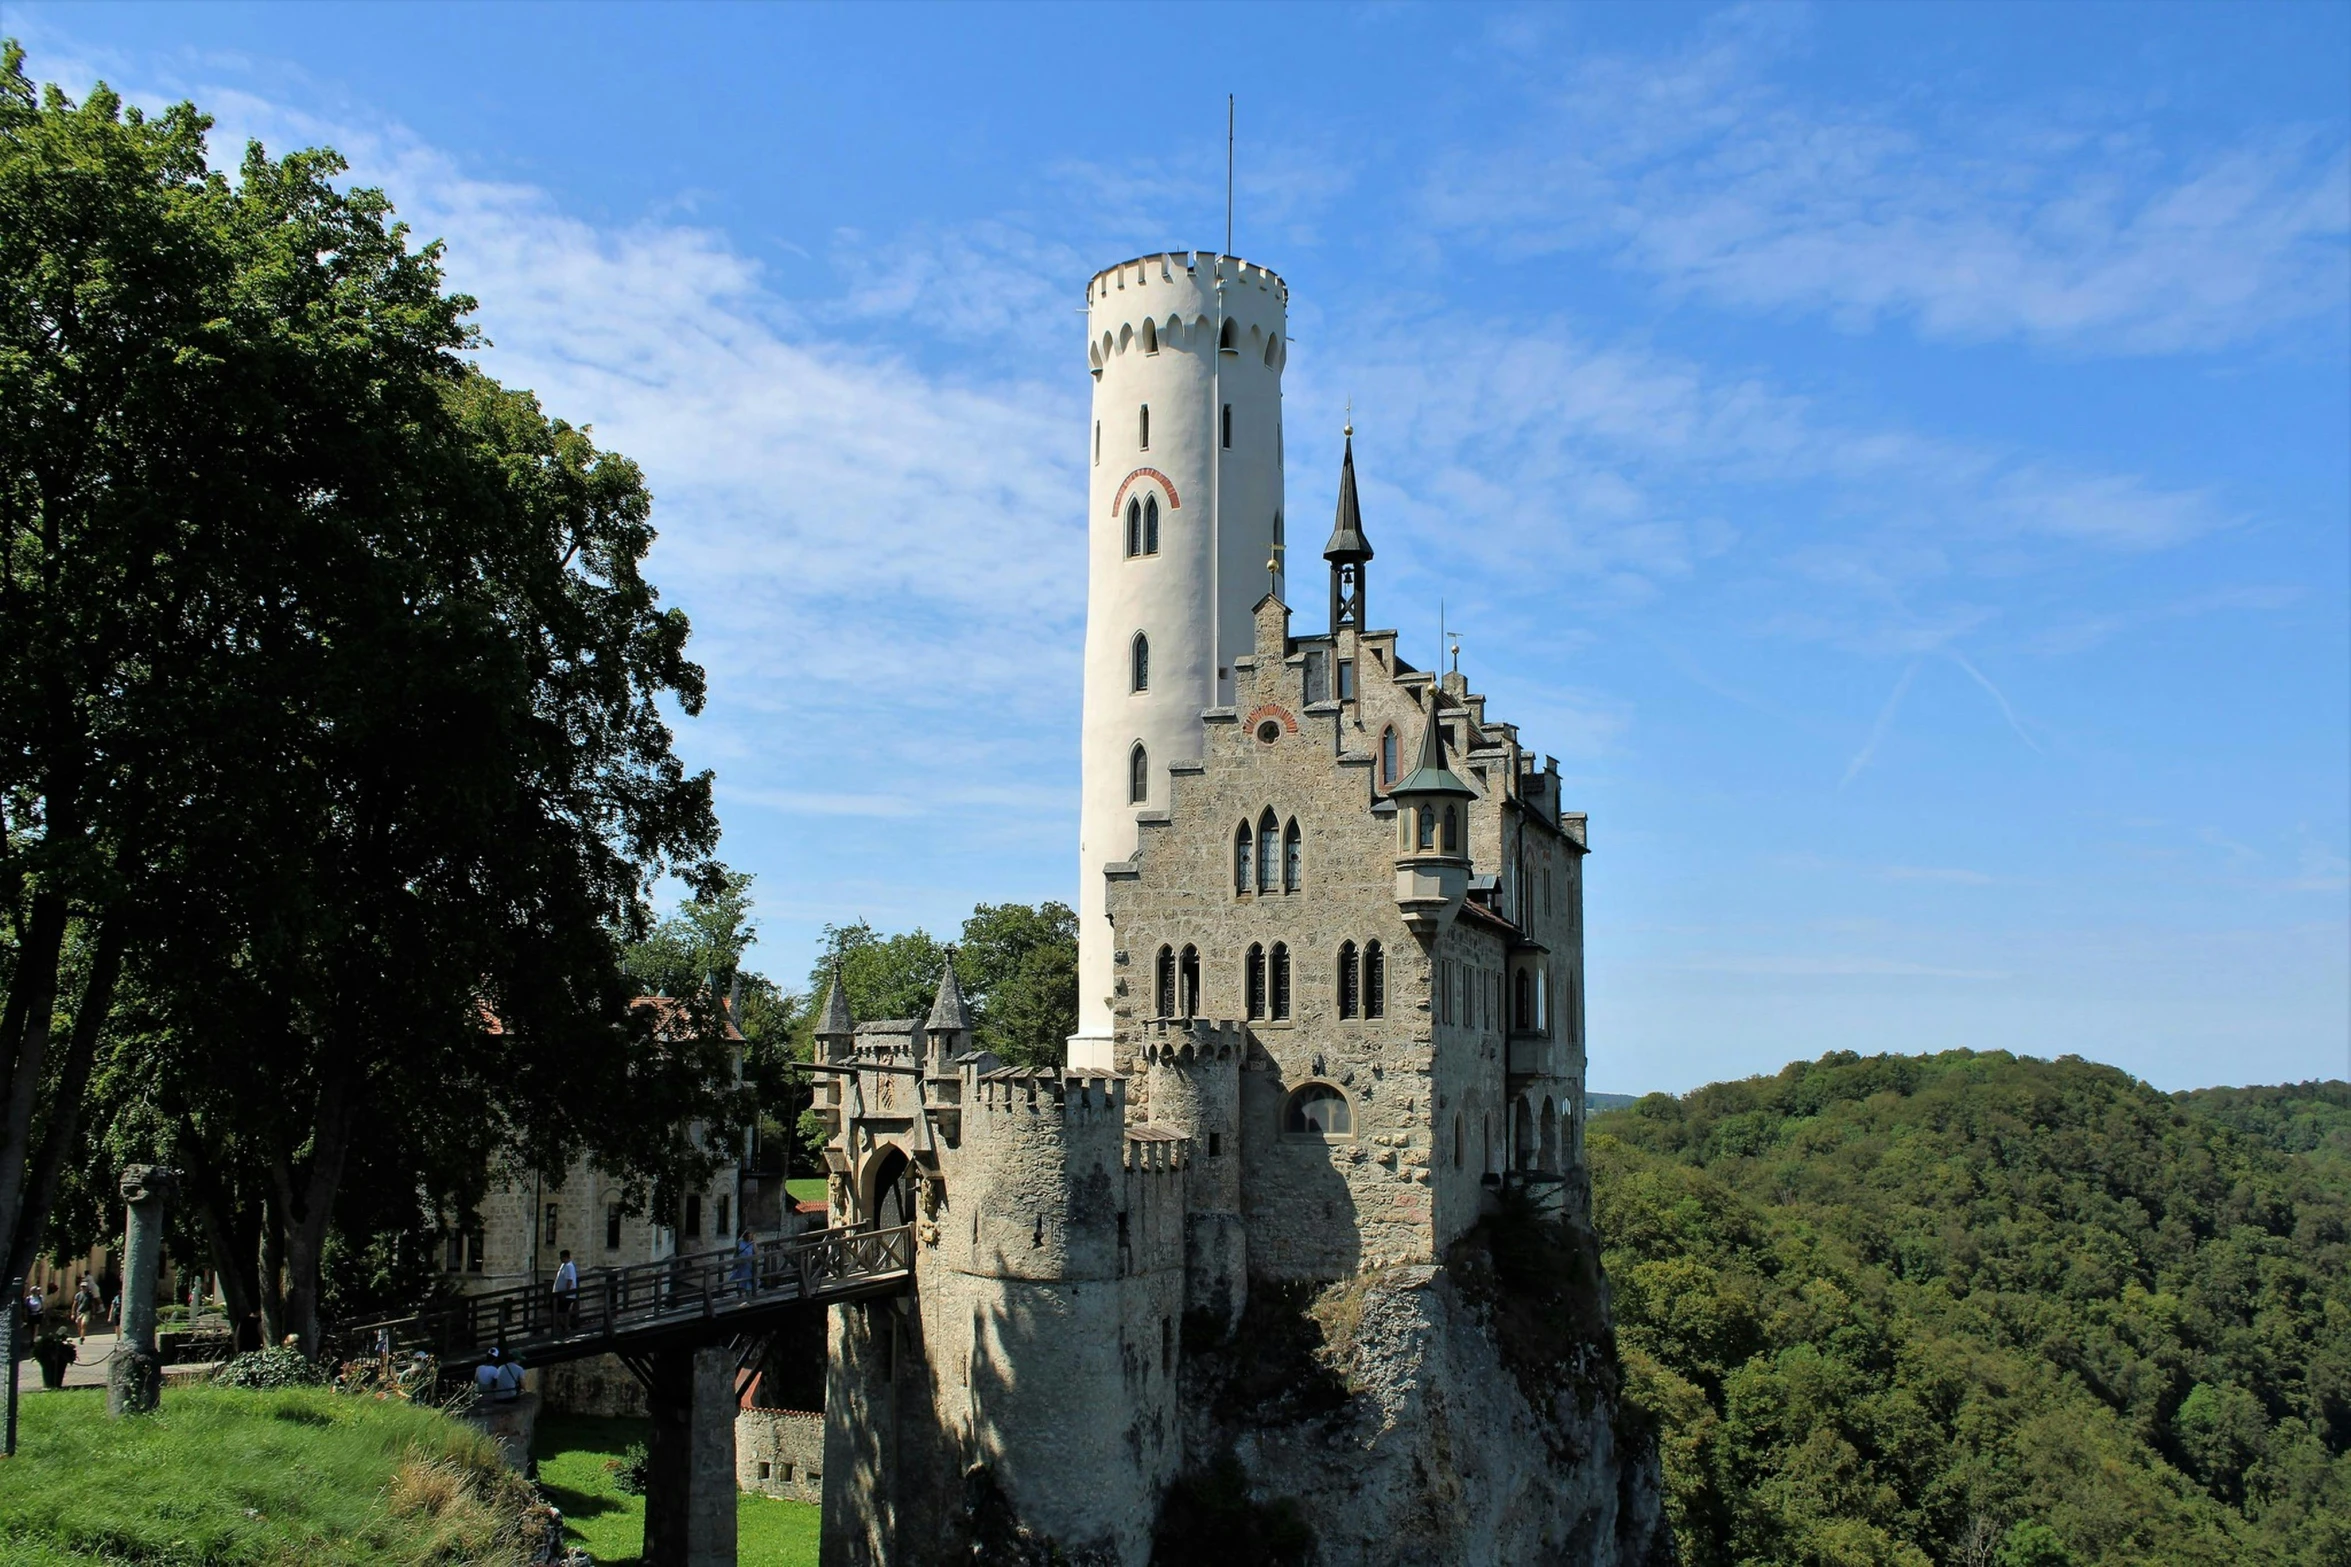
pixel 231 1478
pixel 575 1454
pixel 807 1188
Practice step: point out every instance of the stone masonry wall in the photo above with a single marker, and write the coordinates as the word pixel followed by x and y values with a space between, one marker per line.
pixel 780 1452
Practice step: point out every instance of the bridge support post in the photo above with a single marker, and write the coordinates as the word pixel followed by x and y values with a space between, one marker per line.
pixel 690 1461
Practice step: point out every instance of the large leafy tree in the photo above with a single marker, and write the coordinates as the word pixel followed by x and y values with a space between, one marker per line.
pixel 331 708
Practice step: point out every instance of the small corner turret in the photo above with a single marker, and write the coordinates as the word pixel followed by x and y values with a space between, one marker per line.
pixel 836 1032
pixel 948 1030
pixel 1432 843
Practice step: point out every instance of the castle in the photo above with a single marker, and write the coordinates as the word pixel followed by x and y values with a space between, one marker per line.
pixel 1331 986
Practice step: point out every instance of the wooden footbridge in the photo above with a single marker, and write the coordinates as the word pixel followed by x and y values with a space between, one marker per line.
pixel 680 1302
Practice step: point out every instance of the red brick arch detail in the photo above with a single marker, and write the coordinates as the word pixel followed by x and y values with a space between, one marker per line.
pixel 1270 711
pixel 1118 502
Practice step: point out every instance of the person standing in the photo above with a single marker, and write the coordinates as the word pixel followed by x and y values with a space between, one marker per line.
pixel 746 1264
pixel 567 1292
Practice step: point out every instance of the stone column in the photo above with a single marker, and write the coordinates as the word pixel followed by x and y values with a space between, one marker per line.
pixel 134 1380
pixel 690 1461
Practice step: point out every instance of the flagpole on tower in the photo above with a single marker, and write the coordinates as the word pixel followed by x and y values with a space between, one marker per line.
pixel 1228 174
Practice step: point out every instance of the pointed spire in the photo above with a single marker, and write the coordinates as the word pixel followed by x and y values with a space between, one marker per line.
pixel 1429 774
pixel 836 1009
pixel 1348 546
pixel 948 1014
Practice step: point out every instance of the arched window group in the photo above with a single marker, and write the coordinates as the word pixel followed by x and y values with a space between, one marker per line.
pixel 1265 981
pixel 1269 857
pixel 1140 658
pixel 1175 982
pixel 1143 525
pixel 1363 980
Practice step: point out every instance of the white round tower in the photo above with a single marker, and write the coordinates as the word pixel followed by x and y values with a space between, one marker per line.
pixel 1183 512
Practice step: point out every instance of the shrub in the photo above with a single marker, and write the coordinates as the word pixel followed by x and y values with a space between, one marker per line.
pixel 280 1366
pixel 628 1470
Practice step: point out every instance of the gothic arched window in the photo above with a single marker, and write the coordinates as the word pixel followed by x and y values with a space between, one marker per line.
pixel 1452 826
pixel 1241 861
pixel 1268 846
pixel 1150 524
pixel 1134 528
pixel 1138 775
pixel 1388 773
pixel 1164 983
pixel 1281 980
pixel 1428 826
pixel 1293 858
pixel 1375 981
pixel 1348 979
pixel 1150 337
pixel 1188 982
pixel 1253 980
pixel 1141 659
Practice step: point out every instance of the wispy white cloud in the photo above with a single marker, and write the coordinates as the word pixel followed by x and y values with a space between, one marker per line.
pixel 1877 731
pixel 1699 169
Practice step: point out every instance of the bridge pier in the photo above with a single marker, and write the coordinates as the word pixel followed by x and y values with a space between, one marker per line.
pixel 690 1461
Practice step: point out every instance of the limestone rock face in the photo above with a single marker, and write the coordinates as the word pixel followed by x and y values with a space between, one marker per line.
pixel 1424 1440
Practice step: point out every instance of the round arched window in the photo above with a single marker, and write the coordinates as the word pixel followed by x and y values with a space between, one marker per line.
pixel 1318 1110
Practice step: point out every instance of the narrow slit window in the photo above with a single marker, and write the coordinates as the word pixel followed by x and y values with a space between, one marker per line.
pixel 1253 980
pixel 1142 663
pixel 1139 776
pixel 1375 981
pixel 1144 430
pixel 1097 443
pixel 1227 431
pixel 1281 980
pixel 1388 773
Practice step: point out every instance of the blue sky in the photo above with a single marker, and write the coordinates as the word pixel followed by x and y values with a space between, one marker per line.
pixel 1897 458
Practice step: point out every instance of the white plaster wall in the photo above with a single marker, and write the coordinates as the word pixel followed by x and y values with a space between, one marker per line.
pixel 1167 596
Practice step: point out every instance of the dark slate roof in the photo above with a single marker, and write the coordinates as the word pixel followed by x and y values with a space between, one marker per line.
pixel 1347 540
pixel 1430 775
pixel 948 1013
pixel 836 1009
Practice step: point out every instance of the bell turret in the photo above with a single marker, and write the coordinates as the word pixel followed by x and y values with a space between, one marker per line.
pixel 1348 550
pixel 1432 832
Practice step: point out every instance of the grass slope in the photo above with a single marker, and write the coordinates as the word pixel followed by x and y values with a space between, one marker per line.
pixel 225 1477
pixel 576 1456
pixel 1982 1310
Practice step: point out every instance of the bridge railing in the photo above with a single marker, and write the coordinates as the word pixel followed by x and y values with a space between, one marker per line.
pixel 611 1301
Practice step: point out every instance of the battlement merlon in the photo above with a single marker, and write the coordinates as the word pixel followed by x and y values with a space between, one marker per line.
pixel 1171 266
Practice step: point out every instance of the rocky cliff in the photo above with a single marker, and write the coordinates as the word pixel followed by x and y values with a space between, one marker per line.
pixel 1463 1415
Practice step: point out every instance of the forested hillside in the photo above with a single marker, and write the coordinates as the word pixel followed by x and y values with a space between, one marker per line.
pixel 1990 1311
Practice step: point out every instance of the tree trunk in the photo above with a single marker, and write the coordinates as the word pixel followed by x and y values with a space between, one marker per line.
pixel 272 1253
pixel 24 1046
pixel 65 1107
pixel 308 1212
pixel 232 1249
